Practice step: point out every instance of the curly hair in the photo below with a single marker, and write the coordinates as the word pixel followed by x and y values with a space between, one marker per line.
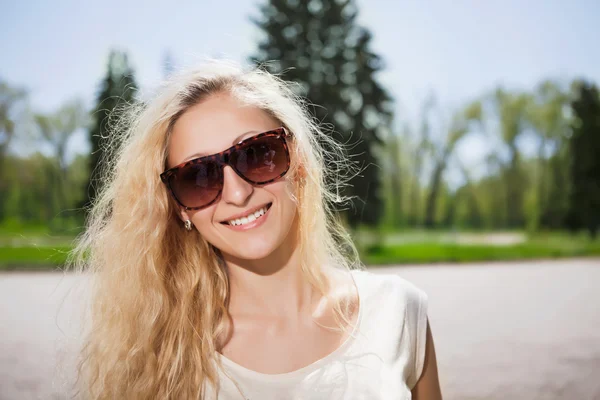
pixel 160 293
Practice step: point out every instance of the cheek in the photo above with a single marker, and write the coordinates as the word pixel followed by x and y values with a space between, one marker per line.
pixel 202 220
pixel 286 194
pixel 286 199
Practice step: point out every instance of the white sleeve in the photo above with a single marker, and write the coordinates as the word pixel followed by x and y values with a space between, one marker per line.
pixel 416 325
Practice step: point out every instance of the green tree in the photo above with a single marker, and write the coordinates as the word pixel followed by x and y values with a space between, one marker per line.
pixel 467 194
pixel 117 90
pixel 503 119
pixel 547 117
pixel 511 109
pixel 585 159
pixel 393 171
pixel 556 209
pixel 320 46
pixel 442 152
pixel 422 146
pixel 32 195
pixel 11 100
pixel 56 129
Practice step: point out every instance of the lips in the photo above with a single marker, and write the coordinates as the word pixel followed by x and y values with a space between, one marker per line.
pixel 254 212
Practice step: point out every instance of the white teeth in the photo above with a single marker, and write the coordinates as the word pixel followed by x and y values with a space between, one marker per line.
pixel 249 218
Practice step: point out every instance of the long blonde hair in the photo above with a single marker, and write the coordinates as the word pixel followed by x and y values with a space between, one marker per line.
pixel 160 293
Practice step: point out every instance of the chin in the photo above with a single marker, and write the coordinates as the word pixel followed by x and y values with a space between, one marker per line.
pixel 256 249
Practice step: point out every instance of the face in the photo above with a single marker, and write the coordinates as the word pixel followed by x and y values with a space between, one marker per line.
pixel 210 127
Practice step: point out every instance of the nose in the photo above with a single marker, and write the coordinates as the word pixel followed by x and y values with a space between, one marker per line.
pixel 236 191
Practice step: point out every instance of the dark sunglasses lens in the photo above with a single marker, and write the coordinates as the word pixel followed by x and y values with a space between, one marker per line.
pixel 197 185
pixel 262 160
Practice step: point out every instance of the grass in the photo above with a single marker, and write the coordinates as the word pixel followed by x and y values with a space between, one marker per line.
pixel 12 226
pixel 470 248
pixel 451 252
pixel 37 249
pixel 32 257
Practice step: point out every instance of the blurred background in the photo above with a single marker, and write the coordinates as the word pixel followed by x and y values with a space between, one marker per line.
pixel 476 126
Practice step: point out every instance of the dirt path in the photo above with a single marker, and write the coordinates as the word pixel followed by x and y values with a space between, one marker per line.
pixel 502 331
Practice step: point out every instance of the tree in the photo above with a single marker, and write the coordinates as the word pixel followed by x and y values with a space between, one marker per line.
pixel 10 101
pixel 511 111
pixel 32 194
pixel 457 130
pixel 393 170
pixel 585 160
pixel 116 91
pixel 556 209
pixel 473 217
pixel 320 46
pixel 56 129
pixel 422 146
pixel 547 117
pixel 503 119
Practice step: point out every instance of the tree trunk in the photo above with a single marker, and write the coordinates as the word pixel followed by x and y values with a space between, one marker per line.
pixel 434 192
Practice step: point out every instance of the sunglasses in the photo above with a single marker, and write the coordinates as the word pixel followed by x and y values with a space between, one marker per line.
pixel 258 160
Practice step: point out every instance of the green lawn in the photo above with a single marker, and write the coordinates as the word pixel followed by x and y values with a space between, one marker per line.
pixel 32 257
pixel 37 249
pixel 450 252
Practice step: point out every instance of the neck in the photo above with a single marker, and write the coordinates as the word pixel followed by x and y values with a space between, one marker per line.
pixel 283 293
pixel 272 286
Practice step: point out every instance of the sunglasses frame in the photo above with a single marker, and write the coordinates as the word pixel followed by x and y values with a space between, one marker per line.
pixel 223 159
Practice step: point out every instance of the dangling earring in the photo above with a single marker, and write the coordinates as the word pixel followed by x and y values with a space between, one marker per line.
pixel 188 224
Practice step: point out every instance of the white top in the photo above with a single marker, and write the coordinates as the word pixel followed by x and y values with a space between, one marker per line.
pixel 382 359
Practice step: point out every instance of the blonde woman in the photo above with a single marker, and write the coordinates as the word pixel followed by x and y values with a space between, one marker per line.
pixel 219 268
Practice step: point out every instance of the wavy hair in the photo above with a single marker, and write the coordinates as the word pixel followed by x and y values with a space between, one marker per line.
pixel 160 293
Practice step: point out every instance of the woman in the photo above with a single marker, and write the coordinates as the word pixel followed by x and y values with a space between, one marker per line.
pixel 220 269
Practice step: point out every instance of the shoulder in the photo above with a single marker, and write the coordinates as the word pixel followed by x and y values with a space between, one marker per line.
pixel 393 301
pixel 388 286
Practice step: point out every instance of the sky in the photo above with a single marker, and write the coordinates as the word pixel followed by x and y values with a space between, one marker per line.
pixel 456 49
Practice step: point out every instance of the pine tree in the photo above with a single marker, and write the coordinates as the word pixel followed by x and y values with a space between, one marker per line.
pixel 116 91
pixel 320 46
pixel 585 159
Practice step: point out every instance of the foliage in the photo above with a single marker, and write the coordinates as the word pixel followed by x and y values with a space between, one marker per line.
pixel 56 129
pixel 457 130
pixel 11 101
pixel 117 90
pixel 32 196
pixel 516 190
pixel 415 169
pixel 585 161
pixel 320 46
pixel 11 104
pixel 48 187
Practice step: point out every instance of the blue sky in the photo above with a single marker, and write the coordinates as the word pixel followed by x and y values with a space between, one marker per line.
pixel 458 49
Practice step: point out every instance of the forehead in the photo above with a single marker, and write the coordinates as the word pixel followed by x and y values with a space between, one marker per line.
pixel 213 125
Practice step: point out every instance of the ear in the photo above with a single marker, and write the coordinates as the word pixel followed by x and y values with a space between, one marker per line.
pixel 300 174
pixel 183 214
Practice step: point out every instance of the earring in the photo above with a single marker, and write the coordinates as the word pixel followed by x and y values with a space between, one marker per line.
pixel 188 224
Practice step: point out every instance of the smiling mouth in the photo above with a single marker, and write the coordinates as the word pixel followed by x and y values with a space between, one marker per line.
pixel 249 218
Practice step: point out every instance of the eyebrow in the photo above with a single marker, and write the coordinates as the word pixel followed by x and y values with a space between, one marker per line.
pixel 235 141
